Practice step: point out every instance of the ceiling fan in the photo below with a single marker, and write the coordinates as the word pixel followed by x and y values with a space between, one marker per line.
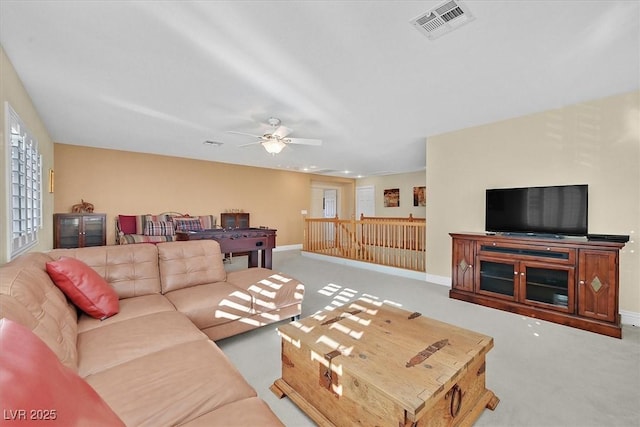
pixel 276 139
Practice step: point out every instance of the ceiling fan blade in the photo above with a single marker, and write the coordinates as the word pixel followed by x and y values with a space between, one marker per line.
pixel 281 132
pixel 250 143
pixel 245 134
pixel 304 141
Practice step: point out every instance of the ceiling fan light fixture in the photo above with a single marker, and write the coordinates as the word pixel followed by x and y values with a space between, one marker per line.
pixel 273 146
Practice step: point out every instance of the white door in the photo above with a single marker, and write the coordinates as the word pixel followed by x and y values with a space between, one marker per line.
pixel 330 204
pixel 365 201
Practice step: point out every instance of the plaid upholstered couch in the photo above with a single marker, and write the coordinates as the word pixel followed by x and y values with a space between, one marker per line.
pixel 159 228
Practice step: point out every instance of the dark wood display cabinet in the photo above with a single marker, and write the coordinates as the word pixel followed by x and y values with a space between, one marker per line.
pixel 571 280
pixel 78 230
pixel 230 220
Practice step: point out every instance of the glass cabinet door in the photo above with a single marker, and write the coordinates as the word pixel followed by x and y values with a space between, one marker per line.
pixel 549 286
pixel 69 232
pixel 234 220
pixel 72 230
pixel 243 221
pixel 93 229
pixel 497 278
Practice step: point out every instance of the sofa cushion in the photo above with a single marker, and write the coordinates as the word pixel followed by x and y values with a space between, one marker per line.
pixel 33 380
pixel 252 411
pixel 29 297
pixel 131 270
pixel 129 309
pixel 187 224
pixel 172 386
pixel 212 304
pixel 86 288
pixel 207 221
pixel 111 345
pixel 144 219
pixel 190 263
pixel 159 228
pixel 127 224
pixel 270 290
pixel 136 224
pixel 216 333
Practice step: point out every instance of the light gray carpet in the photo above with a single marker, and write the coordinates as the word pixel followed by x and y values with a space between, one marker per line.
pixel 544 374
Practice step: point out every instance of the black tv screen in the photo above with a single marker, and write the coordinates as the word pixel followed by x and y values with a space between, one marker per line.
pixel 558 210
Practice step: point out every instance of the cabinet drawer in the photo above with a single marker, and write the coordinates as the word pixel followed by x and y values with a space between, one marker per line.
pixel 543 253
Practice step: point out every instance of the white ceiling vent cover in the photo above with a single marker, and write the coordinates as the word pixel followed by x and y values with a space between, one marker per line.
pixel 442 19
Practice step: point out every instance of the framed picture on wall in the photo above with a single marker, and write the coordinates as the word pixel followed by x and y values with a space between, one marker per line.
pixel 419 196
pixel 392 198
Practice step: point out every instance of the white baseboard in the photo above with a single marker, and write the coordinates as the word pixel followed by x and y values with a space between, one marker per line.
pixel 439 280
pixel 630 318
pixel 288 248
pixel 408 274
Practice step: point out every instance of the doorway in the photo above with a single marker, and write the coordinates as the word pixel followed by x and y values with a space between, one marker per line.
pixel 365 201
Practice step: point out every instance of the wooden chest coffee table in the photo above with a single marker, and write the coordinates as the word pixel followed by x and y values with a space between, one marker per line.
pixel 373 364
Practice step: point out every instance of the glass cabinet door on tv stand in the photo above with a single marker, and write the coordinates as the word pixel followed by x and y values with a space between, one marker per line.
pixel 497 278
pixel 543 285
pixel 549 287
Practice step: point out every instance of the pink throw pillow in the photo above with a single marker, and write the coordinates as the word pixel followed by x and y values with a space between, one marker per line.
pixel 84 287
pixel 36 389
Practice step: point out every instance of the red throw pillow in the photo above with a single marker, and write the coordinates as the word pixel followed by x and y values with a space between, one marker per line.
pixel 84 286
pixel 127 224
pixel 36 389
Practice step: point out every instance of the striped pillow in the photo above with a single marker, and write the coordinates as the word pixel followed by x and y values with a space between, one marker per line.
pixel 208 221
pixel 187 224
pixel 159 228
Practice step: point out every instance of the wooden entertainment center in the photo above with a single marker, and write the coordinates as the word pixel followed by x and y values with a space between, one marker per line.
pixel 571 280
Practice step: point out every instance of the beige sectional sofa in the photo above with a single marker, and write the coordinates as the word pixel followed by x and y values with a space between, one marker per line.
pixel 154 363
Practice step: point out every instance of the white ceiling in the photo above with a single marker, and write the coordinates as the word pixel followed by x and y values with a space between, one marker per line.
pixel 162 77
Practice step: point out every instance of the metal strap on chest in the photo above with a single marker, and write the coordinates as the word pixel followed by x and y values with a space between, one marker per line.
pixel 328 378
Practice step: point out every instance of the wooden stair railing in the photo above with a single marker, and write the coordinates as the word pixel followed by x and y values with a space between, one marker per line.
pixel 397 242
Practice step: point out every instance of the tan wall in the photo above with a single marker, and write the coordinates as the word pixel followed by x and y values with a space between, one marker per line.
pixel 405 182
pixel 120 182
pixel 595 143
pixel 13 92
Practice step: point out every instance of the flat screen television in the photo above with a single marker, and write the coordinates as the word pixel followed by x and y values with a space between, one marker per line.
pixel 557 210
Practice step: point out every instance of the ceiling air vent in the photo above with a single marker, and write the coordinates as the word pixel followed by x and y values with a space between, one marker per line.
pixel 214 143
pixel 442 19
